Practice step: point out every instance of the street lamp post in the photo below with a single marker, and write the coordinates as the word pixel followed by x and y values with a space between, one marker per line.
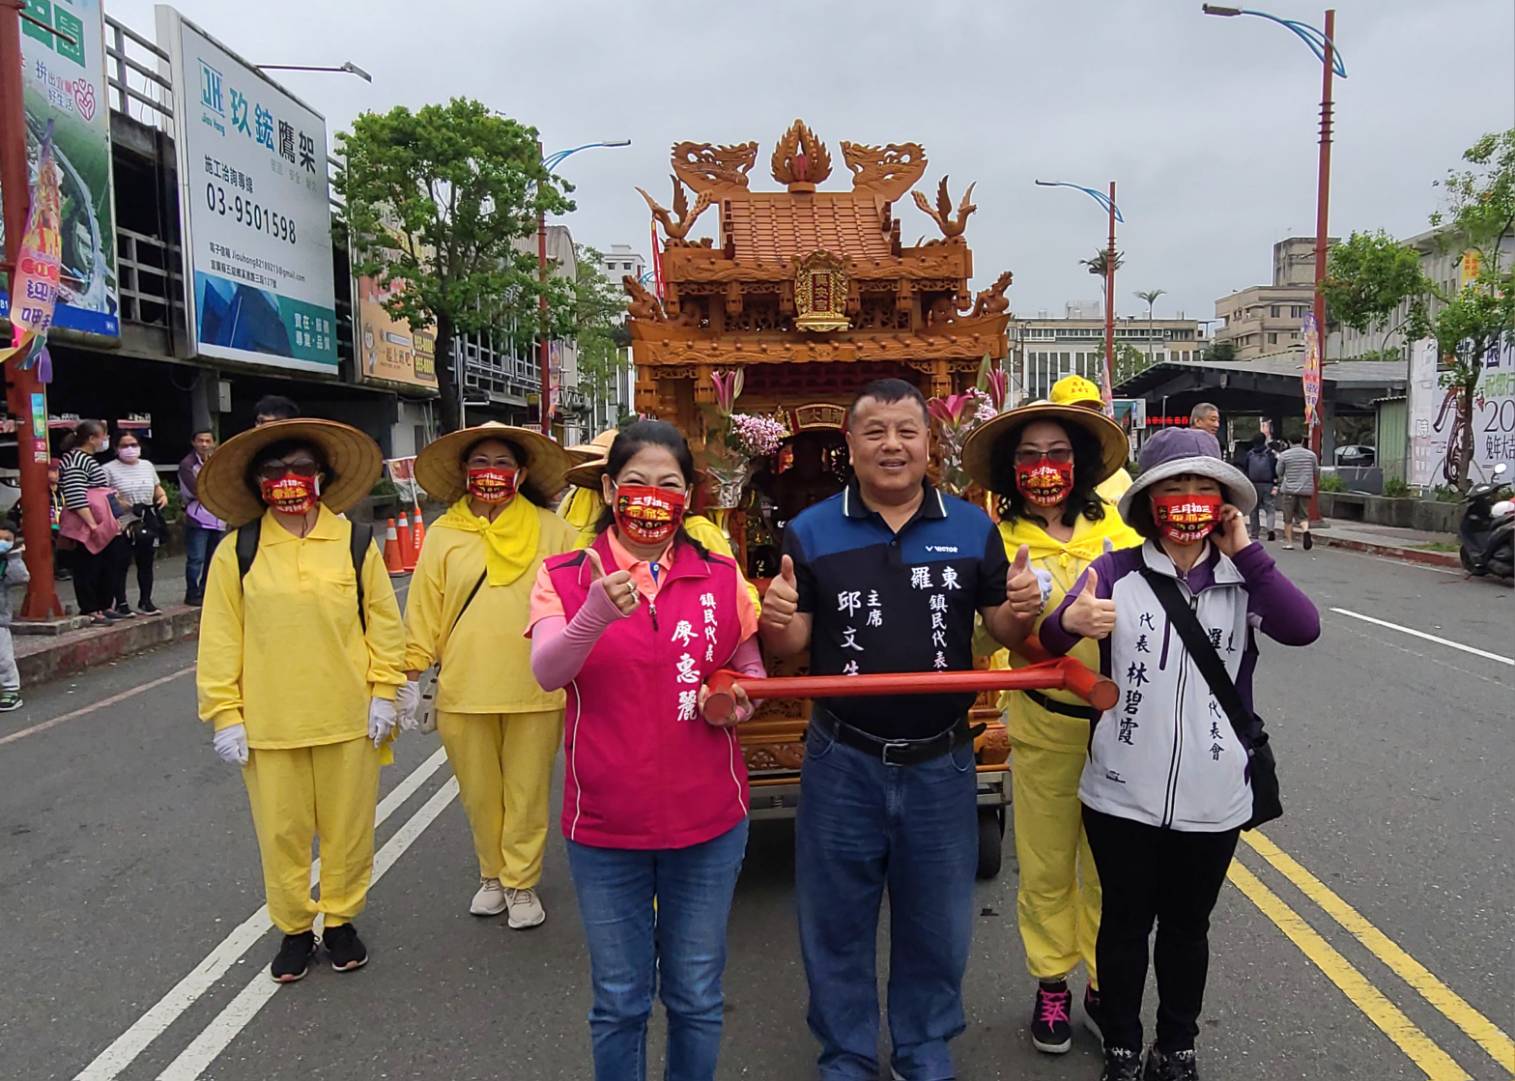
pixel 1108 202
pixel 544 349
pixel 347 67
pixel 1323 44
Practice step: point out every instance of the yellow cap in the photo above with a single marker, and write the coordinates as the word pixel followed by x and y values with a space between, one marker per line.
pixel 1072 389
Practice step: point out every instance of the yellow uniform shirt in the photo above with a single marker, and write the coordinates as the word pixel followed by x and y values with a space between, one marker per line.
pixel 1028 722
pixel 485 660
pixel 700 529
pixel 282 650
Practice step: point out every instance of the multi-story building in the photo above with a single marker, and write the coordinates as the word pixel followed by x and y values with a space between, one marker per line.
pixel 1263 319
pixel 1044 349
pixel 620 260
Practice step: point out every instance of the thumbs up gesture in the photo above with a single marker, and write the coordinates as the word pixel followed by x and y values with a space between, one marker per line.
pixel 783 597
pixel 1088 616
pixel 1023 591
pixel 618 587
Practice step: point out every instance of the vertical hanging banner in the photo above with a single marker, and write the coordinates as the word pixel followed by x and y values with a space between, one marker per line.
pixel 253 208
pixel 1310 378
pixel 38 268
pixel 63 85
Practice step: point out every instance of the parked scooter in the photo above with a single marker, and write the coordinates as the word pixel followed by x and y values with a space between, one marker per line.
pixel 1487 531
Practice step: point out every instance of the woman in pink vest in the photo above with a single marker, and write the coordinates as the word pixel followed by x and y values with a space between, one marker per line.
pixel 654 795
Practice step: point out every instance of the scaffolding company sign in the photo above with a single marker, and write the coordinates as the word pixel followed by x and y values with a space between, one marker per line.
pixel 253 206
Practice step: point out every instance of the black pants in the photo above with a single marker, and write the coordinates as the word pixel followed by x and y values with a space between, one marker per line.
pixel 95 574
pixel 1148 874
pixel 140 550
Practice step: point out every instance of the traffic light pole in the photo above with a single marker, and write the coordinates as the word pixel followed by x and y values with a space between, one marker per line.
pixel 25 396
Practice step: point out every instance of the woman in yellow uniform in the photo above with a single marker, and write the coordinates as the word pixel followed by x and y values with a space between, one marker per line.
pixel 1076 390
pixel 299 664
pixel 469 599
pixel 1044 463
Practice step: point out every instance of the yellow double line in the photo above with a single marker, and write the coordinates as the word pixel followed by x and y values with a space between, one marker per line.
pixel 1420 1048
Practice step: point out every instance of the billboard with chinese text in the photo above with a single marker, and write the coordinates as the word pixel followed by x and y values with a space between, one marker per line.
pixel 63 81
pixel 388 349
pixel 253 205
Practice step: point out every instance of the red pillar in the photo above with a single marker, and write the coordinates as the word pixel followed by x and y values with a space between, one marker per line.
pixel 1109 387
pixel 1322 213
pixel 31 444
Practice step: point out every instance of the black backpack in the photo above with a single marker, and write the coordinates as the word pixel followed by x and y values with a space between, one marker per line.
pixel 1262 468
pixel 362 537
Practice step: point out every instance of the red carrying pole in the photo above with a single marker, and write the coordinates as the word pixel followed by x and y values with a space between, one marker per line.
pixel 1062 674
pixel 22 387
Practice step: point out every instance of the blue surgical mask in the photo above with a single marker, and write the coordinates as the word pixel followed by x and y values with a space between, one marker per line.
pixel 6 546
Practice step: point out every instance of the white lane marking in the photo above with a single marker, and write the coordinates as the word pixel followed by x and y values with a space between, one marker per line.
pixel 207 1046
pixel 1428 637
pixel 124 1050
pixel 43 726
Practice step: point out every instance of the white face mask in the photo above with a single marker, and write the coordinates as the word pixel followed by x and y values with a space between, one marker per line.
pixel 128 454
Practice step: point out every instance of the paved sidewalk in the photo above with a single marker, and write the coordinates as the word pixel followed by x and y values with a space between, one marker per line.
pixel 1413 545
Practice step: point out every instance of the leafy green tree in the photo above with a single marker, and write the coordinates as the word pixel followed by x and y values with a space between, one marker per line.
pixel 1101 257
pixel 599 325
pixel 441 201
pixel 1372 279
pixel 1129 362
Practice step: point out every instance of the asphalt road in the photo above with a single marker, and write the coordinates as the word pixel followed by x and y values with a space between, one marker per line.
pixel 1367 936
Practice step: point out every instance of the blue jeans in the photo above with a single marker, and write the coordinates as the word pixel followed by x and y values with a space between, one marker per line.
pixel 864 826
pixel 199 546
pixel 632 948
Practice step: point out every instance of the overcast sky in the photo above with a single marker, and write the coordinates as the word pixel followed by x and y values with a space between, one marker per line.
pixel 1207 125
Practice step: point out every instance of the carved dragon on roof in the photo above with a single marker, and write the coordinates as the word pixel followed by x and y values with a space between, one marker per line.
pixel 887 171
pixel 706 167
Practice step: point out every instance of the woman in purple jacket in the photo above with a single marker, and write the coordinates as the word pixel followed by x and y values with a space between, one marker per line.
pixel 1166 789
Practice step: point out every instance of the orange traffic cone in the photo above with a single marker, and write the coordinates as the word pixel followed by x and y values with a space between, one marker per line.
pixel 393 562
pixel 418 527
pixel 407 541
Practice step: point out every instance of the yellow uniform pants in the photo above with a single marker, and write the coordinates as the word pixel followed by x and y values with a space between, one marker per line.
pixel 503 762
pixel 1057 901
pixel 303 793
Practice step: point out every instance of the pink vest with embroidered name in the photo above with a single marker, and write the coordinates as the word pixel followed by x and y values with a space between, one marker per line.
pixel 642 768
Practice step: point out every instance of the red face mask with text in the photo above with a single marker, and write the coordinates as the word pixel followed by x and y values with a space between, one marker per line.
pixel 491 483
pixel 1186 518
pixel 1045 483
pixel 648 515
pixel 290 493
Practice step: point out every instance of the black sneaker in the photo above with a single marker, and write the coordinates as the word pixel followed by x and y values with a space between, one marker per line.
pixel 110 615
pixel 1272 535
pixel 1122 1064
pixel 293 959
pixel 345 948
pixel 1051 1031
pixel 1171 1065
pixel 125 610
pixel 1309 540
pixel 148 608
pixel 1094 1013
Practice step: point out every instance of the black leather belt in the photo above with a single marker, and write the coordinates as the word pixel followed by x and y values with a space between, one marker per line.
pixel 1052 705
pixel 895 752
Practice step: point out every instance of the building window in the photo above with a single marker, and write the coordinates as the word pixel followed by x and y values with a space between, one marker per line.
pixel 1274 311
pixel 1272 339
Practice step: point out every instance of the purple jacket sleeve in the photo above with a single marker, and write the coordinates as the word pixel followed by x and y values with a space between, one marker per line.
pixel 559 647
pixel 1279 607
pixel 187 478
pixel 1057 641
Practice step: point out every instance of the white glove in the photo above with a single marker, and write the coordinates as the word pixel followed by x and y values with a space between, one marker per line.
pixel 1043 579
pixel 381 720
pixel 408 702
pixel 230 744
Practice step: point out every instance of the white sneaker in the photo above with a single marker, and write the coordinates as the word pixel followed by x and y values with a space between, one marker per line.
pixel 490 900
pixel 525 909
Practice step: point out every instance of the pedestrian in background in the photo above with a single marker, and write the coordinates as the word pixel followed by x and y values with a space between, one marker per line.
pixel 655 794
pixel 467 611
pixel 1298 474
pixel 272 407
pixel 1167 786
pixel 61 555
pixel 202 529
pixel 299 664
pixel 137 486
pixel 888 576
pixel 1047 464
pixel 13 572
pixel 1262 471
pixel 1206 418
pixel 89 521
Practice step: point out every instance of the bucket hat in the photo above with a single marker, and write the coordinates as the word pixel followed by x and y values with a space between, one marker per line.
pixel 1174 452
pixel 978 451
pixel 354 461
pixel 440 469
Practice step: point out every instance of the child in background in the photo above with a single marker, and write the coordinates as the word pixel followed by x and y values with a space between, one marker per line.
pixel 12 572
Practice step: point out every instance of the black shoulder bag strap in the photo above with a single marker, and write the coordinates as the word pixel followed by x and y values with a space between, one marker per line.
pixel 472 593
pixel 1186 623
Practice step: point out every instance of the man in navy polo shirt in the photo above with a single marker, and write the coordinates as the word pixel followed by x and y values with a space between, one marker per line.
pixel 887 576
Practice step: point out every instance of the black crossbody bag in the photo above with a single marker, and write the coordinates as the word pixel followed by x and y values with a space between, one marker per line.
pixel 1262 767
